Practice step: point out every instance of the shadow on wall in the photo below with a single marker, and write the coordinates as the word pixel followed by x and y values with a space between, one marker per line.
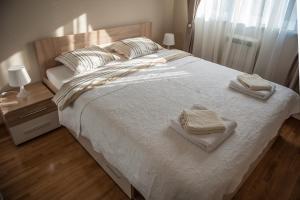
pixel 23 22
pixel 180 22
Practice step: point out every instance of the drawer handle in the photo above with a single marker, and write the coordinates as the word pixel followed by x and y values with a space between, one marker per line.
pixel 34 112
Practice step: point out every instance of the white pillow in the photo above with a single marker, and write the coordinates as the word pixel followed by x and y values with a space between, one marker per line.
pixel 85 59
pixel 135 47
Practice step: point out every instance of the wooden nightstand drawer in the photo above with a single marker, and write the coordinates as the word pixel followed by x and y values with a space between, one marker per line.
pixel 30 112
pixel 29 117
pixel 33 128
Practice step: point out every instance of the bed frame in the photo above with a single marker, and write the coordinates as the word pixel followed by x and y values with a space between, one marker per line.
pixel 49 48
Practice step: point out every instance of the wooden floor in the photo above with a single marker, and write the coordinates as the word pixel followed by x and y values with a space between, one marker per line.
pixel 55 166
pixel 277 176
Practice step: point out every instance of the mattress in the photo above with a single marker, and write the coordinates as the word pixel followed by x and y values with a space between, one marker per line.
pixel 128 121
pixel 59 75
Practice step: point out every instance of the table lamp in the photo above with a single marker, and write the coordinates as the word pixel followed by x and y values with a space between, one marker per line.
pixel 169 39
pixel 18 77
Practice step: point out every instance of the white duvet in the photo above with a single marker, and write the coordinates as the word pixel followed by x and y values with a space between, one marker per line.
pixel 128 121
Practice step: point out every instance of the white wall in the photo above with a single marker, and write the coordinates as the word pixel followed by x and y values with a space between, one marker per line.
pixel 22 22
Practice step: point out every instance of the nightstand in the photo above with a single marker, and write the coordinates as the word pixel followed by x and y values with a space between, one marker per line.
pixel 29 117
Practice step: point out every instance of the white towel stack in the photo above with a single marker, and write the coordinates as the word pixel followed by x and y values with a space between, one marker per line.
pixel 210 141
pixel 201 121
pixel 253 85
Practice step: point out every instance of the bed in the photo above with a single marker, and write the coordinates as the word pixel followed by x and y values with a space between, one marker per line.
pixel 125 125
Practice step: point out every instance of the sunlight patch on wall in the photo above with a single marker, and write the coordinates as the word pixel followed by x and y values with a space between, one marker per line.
pixel 90 28
pixel 60 31
pixel 77 25
pixel 15 59
pixel 25 57
pixel 80 24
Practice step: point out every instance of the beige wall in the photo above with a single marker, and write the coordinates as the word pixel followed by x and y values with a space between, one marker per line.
pixel 180 21
pixel 23 22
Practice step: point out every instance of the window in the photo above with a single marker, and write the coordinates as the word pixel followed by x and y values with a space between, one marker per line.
pixel 251 13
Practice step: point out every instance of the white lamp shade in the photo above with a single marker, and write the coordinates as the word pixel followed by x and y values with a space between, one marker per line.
pixel 18 76
pixel 169 39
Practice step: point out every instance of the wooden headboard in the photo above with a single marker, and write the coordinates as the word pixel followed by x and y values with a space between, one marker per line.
pixel 49 48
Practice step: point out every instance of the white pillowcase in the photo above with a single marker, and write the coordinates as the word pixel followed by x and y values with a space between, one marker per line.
pixel 135 47
pixel 85 59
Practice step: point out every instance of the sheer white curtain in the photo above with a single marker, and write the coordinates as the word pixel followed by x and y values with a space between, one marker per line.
pixel 254 36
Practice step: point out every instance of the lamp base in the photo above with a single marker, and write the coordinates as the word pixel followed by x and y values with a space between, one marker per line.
pixel 23 93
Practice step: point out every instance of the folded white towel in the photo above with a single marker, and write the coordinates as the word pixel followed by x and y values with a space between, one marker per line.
pixel 254 82
pixel 201 121
pixel 208 142
pixel 262 94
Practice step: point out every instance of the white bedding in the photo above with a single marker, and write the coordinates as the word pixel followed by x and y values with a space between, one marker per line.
pixel 128 121
pixel 59 75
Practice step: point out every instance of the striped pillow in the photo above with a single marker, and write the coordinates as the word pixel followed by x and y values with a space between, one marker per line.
pixel 85 59
pixel 135 47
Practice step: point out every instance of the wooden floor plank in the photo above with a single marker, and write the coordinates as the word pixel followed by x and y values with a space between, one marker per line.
pixel 277 175
pixel 55 166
